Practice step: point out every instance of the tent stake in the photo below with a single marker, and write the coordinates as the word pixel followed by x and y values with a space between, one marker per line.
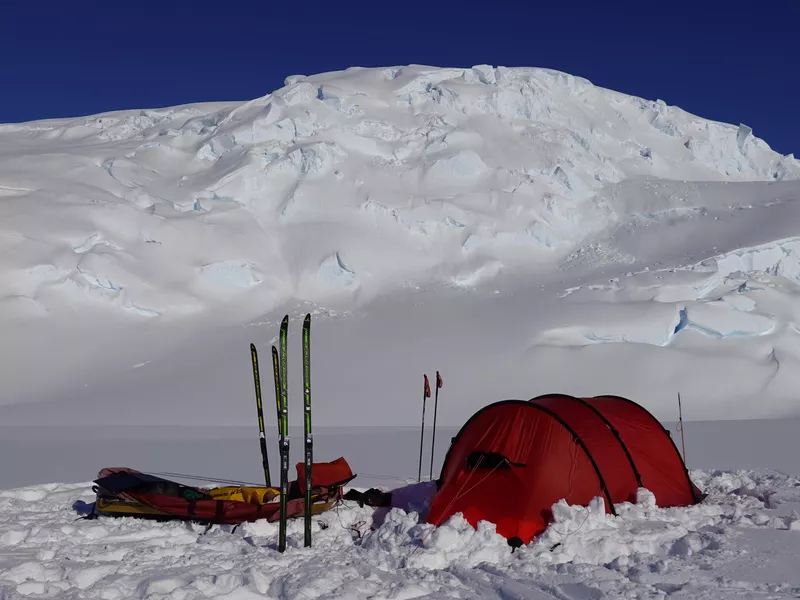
pixel 680 427
pixel 426 393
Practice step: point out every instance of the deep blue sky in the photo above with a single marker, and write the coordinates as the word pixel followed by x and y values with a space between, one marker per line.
pixel 720 60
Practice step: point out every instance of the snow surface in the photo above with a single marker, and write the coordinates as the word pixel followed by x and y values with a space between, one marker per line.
pixel 741 542
pixel 508 226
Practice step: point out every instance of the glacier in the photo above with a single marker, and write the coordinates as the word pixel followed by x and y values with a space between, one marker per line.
pixel 511 225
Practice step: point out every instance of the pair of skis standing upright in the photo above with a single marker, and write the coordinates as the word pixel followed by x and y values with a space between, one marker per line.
pixel 281 400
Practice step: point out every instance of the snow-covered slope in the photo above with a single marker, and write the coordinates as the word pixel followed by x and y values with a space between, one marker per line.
pixel 355 181
pixel 512 227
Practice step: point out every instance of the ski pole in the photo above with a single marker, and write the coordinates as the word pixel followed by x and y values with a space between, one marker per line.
pixel 680 427
pixel 435 409
pixel 426 393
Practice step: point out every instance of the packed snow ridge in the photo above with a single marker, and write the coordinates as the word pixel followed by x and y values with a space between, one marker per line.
pixel 344 185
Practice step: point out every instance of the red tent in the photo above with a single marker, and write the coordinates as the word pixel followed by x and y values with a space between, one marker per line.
pixel 514 459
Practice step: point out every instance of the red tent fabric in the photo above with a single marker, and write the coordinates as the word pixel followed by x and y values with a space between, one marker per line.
pixel 514 459
pixel 600 440
pixel 656 457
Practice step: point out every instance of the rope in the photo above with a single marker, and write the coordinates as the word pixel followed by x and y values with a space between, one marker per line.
pixel 387 477
pixel 460 494
pixel 354 527
pixel 573 465
pixel 203 478
pixel 251 484
pixel 564 536
pixel 466 481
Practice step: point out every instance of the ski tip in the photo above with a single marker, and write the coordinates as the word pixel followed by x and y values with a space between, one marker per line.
pixel 252 347
pixel 307 319
pixel 274 350
pixel 285 321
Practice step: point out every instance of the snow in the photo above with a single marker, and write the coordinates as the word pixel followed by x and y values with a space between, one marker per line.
pixel 521 230
pixel 567 227
pixel 715 550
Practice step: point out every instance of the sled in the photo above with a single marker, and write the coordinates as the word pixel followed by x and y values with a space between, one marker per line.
pixel 124 492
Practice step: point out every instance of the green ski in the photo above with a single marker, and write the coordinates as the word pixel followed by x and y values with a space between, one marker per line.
pixel 308 441
pixel 276 369
pixel 284 429
pixel 261 435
